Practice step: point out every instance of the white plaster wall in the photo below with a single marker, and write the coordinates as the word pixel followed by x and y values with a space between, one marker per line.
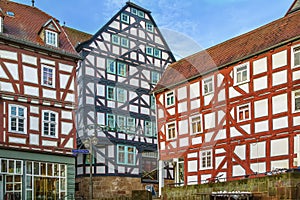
pixel 182 93
pixel 65 67
pixel 208 98
pixel 279 164
pixel 183 127
pixel 66 128
pixel 279 103
pixel 13 70
pixel 221 135
pixel 182 107
pixel 261 126
pixel 260 66
pixel 261 108
pixel 279 59
pixel 34 139
pixel 296 75
pixel 29 90
pixel 233 93
pixel 279 78
pixel 258 167
pixel 196 140
pixel 194 90
pixel 234 132
pixel 218 160
pixel 279 147
pixel 192 180
pixel 209 120
pixel 66 114
pixel 192 166
pixel 49 94
pixel 279 123
pixel 8 55
pixel 49 143
pixel 238 170
pixel 46 61
pixel 240 151
pixel 195 104
pixel 34 123
pixel 183 142
pixel 17 140
pixel 63 80
pixel 260 83
pixel 30 75
pixel 258 150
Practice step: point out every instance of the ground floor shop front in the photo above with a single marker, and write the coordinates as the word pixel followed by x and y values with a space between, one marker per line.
pixel 36 176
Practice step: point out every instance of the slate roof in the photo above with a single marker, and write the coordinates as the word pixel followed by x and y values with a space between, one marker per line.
pixel 76 37
pixel 232 51
pixel 26 24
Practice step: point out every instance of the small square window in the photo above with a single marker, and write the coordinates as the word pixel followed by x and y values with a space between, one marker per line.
pixel 121 95
pixel 241 74
pixel 208 86
pixel 141 14
pixel 157 53
pixel 196 124
pixel 171 131
pixel 296 101
pixel 134 11
pixel 149 27
pixel 149 51
pixel 124 42
pixel 121 69
pixel 170 99
pixel 155 77
pixel 111 66
pixel 296 56
pixel 115 39
pixel 111 93
pixel 243 112
pixel 125 18
pixel 48 76
pixel 51 38
pixel 206 159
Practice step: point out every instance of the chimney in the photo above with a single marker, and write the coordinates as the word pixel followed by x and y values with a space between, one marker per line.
pixel 32 3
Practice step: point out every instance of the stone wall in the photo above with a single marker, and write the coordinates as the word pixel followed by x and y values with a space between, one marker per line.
pixel 275 187
pixel 109 187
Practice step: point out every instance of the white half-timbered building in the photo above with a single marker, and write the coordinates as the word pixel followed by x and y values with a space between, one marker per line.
pixel 122 63
pixel 37 103
pixel 232 110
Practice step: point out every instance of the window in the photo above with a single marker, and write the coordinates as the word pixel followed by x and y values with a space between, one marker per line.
pixel 149 27
pixel 17 119
pixel 134 11
pixel 111 93
pixel 157 53
pixel 111 66
pixel 115 39
pixel 171 131
pixel 121 69
pixel 49 123
pixel 196 124
pixel 130 125
pixel 126 154
pixel 208 86
pixel 154 77
pixel 149 51
pixel 170 98
pixel 121 123
pixel 243 112
pixel 110 121
pixel 296 101
pixel 241 73
pixel 121 95
pixel 48 76
pixel 124 42
pixel 141 14
pixel 152 102
pixel 51 38
pixel 148 129
pixel 206 159
pixel 125 18
pixel 296 56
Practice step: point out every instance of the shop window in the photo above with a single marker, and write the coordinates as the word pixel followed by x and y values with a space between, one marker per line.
pixel 17 118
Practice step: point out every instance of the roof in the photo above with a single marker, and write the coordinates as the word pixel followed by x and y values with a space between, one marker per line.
pixel 295 6
pixel 231 51
pixel 26 24
pixel 76 36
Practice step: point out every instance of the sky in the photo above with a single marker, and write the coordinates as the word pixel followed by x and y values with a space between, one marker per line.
pixel 187 25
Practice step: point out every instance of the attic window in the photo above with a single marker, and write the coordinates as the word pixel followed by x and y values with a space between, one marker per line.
pixel 51 38
pixel 10 13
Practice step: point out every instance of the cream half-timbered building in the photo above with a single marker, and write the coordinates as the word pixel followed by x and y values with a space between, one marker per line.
pixel 122 63
pixel 37 103
pixel 232 111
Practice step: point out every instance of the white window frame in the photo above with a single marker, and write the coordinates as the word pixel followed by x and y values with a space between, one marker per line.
pixel 295 49
pixel 113 118
pixel 148 128
pixel 238 110
pixel 114 93
pixel 126 154
pixel 121 128
pixel 121 98
pixel 235 76
pixel 168 96
pixel 124 42
pixel 131 126
pixel 206 156
pixel 110 63
pixel 149 51
pixel 157 53
pixel 149 27
pixel 120 66
pixel 141 14
pixel 45 82
pixel 49 122
pixel 115 39
pixel 209 83
pixel 153 75
pixel 174 130
pixel 17 118
pixel 134 11
pixel 125 20
pixel 294 96
pixel 51 38
pixel 191 124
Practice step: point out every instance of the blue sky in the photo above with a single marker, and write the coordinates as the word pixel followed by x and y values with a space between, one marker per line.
pixel 197 24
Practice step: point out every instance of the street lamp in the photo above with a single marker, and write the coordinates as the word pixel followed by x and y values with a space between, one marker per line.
pixel 88 143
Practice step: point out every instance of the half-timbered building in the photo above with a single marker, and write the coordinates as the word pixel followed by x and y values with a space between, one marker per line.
pixel 121 64
pixel 37 102
pixel 232 110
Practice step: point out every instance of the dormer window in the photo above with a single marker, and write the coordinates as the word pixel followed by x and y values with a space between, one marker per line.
pixel 51 38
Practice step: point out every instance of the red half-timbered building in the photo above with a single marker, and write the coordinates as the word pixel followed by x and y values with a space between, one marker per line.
pixel 232 110
pixel 37 100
